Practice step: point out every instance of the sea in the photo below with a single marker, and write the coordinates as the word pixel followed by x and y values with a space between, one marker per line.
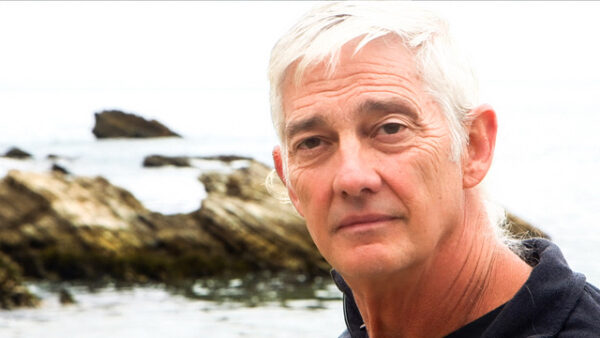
pixel 191 67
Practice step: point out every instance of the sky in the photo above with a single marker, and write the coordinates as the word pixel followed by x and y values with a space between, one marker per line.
pixel 193 60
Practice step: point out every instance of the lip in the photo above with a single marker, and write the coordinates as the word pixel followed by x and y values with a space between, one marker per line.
pixel 363 220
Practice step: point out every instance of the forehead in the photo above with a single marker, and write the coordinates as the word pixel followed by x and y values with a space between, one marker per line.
pixel 384 66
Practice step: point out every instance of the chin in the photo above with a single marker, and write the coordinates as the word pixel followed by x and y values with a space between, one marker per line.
pixel 372 260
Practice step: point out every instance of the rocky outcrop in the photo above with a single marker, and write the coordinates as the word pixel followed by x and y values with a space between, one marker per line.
pixel 254 225
pixel 63 227
pixel 12 292
pixel 114 123
pixel 17 153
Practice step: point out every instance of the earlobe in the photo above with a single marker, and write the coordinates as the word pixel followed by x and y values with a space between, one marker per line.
pixel 481 144
pixel 278 161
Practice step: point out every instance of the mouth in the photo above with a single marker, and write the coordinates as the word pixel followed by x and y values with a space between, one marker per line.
pixel 360 222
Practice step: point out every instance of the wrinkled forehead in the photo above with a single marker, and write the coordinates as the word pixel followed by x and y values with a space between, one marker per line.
pixel 359 50
pixel 386 56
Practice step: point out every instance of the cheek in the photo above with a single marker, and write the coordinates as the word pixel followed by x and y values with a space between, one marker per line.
pixel 313 191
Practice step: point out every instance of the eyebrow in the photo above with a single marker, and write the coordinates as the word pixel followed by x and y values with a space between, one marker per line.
pixel 302 125
pixel 390 106
pixel 387 106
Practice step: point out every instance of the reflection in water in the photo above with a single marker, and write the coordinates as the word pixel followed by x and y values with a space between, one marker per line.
pixel 260 305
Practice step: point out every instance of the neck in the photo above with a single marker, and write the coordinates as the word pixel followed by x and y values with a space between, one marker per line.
pixel 470 275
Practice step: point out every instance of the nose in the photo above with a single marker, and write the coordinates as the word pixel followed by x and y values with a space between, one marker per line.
pixel 356 174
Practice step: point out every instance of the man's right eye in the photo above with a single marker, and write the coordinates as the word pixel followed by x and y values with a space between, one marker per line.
pixel 309 143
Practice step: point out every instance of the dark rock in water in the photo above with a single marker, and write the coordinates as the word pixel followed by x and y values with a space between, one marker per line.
pixel 65 297
pixel 12 292
pixel 184 161
pixel 160 161
pixel 114 123
pixel 60 169
pixel 226 158
pixel 17 153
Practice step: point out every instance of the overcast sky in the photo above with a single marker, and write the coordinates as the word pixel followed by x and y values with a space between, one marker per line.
pixel 111 45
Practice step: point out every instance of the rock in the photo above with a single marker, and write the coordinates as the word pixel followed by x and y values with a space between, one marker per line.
pixel 160 161
pixel 12 292
pixel 520 228
pixel 225 158
pixel 17 153
pixel 114 123
pixel 251 223
pixel 185 161
pixel 62 227
pixel 65 297
pixel 59 169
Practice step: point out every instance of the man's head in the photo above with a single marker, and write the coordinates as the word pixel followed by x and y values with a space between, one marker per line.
pixel 321 33
pixel 382 143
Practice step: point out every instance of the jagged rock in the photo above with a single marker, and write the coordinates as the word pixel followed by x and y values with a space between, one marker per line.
pixel 17 153
pixel 12 292
pixel 160 161
pixel 240 212
pixel 114 123
pixel 63 227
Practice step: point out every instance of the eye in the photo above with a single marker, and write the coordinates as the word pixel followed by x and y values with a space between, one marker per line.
pixel 391 128
pixel 310 143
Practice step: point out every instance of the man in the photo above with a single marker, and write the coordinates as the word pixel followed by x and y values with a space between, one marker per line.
pixel 383 147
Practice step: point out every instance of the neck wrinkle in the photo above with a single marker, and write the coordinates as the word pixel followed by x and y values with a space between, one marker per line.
pixel 427 303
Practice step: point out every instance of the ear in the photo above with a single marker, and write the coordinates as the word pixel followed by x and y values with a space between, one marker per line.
pixel 481 143
pixel 279 168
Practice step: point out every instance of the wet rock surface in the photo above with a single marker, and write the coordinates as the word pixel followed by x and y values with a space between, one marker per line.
pixel 115 123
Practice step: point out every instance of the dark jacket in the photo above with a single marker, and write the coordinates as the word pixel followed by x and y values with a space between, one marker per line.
pixel 554 302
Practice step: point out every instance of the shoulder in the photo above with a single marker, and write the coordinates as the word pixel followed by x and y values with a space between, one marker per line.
pixel 584 319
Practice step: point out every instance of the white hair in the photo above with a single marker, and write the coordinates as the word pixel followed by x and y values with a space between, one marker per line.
pixel 321 33
pixel 447 75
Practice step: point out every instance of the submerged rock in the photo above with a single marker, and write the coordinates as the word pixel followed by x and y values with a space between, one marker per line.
pixel 17 153
pixel 115 123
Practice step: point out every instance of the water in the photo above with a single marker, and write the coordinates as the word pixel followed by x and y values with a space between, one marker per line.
pixel 153 311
